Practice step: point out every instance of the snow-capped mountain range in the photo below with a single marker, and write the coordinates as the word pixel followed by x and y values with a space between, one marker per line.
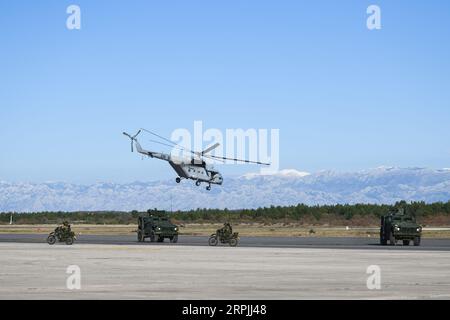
pixel 287 187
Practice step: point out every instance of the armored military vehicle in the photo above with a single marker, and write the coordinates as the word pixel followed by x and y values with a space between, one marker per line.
pixel 398 225
pixel 157 227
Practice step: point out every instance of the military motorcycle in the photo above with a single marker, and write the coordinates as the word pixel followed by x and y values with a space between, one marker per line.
pixel 65 236
pixel 231 239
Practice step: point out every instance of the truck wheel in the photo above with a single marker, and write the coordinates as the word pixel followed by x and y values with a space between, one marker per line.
pixel 233 242
pixel 69 241
pixel 213 241
pixel 406 242
pixel 51 240
pixel 160 239
pixel 383 240
pixel 417 241
pixel 140 237
pixel 152 237
pixel 174 239
pixel 392 240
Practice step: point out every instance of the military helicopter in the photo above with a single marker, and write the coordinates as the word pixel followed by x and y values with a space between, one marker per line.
pixel 194 168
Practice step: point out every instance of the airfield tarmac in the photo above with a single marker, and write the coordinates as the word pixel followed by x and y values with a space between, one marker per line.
pixel 304 268
pixel 38 271
pixel 255 242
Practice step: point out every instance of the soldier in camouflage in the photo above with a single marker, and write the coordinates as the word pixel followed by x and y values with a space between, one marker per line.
pixel 62 229
pixel 227 230
pixel 224 235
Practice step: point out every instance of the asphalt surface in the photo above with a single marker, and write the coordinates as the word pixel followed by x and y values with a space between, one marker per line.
pixel 174 272
pixel 251 242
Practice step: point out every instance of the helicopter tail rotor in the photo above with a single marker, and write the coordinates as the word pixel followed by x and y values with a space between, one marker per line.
pixel 133 138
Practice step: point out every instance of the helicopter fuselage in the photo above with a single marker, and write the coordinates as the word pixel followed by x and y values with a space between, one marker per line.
pixel 192 169
pixel 197 172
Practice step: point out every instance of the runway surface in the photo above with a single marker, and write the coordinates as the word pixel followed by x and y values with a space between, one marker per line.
pixel 266 242
pixel 108 271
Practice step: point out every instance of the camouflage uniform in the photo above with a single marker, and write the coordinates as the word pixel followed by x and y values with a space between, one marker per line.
pixel 227 230
pixel 58 231
pixel 62 229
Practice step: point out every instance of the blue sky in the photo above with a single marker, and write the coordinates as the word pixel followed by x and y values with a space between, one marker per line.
pixel 343 97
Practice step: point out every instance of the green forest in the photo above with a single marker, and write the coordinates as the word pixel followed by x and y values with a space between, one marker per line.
pixel 265 215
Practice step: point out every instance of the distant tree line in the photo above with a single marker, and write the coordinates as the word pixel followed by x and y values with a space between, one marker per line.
pixel 270 215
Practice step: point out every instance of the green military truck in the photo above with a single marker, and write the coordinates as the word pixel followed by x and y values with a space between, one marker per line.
pixel 157 227
pixel 399 226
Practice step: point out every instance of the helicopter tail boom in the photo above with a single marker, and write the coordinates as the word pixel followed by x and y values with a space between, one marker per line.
pixel 140 150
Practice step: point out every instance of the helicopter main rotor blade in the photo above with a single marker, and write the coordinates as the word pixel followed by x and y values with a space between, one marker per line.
pixel 173 144
pixel 211 148
pixel 210 157
pixel 239 160
pixel 170 146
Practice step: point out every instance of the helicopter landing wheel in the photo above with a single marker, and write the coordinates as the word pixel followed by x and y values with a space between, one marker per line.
pixel 208 188
pixel 178 180
pixel 197 183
